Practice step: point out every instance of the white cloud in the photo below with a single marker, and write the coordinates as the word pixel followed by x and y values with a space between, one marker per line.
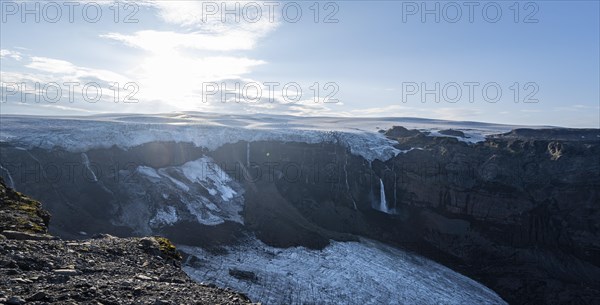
pixel 218 31
pixel 175 64
pixel 10 54
pixel 68 70
pixel 445 113
pixel 51 65
pixel 167 41
pixel 196 14
pixel 33 90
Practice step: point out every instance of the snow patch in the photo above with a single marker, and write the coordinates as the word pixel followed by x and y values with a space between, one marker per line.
pixel 178 183
pixel 148 171
pixel 207 173
pixel 165 216
pixel 199 209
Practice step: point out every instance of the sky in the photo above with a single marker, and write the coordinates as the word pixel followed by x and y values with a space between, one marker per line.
pixel 526 63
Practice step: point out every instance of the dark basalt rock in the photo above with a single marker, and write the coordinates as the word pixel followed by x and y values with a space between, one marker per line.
pixel 21 213
pixel 452 132
pixel 518 212
pixel 104 270
pixel 243 275
pixel 556 134
pixel 401 132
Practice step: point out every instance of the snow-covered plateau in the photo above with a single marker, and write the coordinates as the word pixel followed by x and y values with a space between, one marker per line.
pixel 80 134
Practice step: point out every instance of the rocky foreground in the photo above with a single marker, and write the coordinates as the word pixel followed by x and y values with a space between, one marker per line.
pixel 37 268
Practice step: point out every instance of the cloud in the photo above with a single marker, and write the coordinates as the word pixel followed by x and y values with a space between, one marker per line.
pixel 56 85
pixel 250 16
pixel 199 30
pixel 167 41
pixel 445 113
pixel 10 54
pixel 51 65
pixel 70 71
pixel 176 63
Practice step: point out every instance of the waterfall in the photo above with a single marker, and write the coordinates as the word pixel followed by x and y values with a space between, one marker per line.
pixel 11 182
pixel 382 203
pixel 348 185
pixel 247 154
pixel 86 162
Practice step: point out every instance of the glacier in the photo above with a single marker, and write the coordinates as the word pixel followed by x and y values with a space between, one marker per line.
pixel 360 135
pixel 365 272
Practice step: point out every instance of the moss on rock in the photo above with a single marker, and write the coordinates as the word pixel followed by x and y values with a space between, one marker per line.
pixel 21 213
pixel 167 248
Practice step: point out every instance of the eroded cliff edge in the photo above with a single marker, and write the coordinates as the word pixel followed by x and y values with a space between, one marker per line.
pixel 519 211
pixel 38 268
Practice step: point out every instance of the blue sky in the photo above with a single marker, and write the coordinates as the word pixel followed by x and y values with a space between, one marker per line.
pixel 378 58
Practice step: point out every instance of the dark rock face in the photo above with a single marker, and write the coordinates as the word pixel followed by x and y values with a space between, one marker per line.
pixel 452 132
pixel 21 213
pixel 37 268
pixel 401 132
pixel 518 212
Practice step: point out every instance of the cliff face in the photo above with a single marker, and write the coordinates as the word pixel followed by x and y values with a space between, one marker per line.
pixel 519 211
pixel 37 268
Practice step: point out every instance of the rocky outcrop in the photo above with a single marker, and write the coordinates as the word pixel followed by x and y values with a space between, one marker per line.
pixel 106 270
pixel 453 132
pixel 21 213
pixel 101 270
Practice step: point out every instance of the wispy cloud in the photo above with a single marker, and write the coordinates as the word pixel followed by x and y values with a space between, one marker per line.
pixel 175 62
pixel 56 84
pixel 168 41
pixel 10 54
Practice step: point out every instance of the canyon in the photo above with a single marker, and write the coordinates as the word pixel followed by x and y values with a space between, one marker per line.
pixel 513 208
